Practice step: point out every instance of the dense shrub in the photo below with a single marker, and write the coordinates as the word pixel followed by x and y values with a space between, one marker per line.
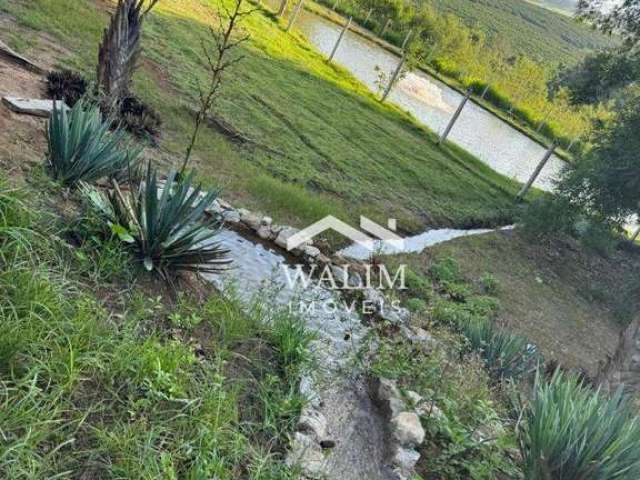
pixel 139 118
pixel 571 432
pixel 66 85
pixel 81 147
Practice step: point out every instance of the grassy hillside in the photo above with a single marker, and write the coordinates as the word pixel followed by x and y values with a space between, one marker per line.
pixel 554 293
pixel 323 143
pixel 107 373
pixel 528 29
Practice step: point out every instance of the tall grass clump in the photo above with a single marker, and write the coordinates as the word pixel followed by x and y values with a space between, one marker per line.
pixel 506 356
pixel 571 432
pixel 82 147
pixel 166 225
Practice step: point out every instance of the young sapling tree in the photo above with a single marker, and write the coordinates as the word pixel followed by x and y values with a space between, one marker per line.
pixel 219 55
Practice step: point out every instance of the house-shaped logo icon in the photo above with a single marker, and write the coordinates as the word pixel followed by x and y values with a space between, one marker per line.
pixel 381 234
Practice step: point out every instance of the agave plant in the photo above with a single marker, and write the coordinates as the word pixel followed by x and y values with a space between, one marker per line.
pixel 506 355
pixel 166 225
pixel 572 432
pixel 81 147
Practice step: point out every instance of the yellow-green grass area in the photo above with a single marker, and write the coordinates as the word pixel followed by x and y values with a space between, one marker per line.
pixel 571 303
pixel 321 142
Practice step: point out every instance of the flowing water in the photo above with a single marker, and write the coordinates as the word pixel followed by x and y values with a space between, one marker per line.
pixel 338 390
pixel 415 244
pixel 486 136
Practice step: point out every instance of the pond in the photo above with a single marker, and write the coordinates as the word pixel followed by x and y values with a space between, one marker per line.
pixel 431 102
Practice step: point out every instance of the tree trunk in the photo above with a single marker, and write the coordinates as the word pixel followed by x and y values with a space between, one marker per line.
pixel 119 50
pixel 623 369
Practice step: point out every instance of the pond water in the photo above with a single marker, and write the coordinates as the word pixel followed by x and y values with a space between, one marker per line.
pixel 481 133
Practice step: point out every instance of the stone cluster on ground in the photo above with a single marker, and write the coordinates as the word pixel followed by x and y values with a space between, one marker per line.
pixel 405 428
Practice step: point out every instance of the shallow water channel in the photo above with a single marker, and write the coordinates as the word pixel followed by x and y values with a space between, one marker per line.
pixel 337 388
pixel 486 136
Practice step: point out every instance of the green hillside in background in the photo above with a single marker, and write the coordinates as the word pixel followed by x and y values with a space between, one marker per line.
pixel 528 29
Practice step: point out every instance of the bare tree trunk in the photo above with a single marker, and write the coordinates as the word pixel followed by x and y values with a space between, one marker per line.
pixel 120 49
pixel 623 369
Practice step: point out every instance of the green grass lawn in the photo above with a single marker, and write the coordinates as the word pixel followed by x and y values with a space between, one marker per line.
pixel 528 29
pixel 332 147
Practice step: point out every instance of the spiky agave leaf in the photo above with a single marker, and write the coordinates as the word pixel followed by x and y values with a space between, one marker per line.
pixel 506 355
pixel 570 431
pixel 81 147
pixel 168 224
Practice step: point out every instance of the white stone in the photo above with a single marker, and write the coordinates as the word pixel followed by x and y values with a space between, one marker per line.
pixel 430 410
pixel 313 422
pixel 214 208
pixel 224 204
pixel 413 397
pixel 231 216
pixel 283 236
pixel 306 454
pixel 29 106
pixel 250 219
pixel 265 233
pixel 267 221
pixel 404 460
pixel 407 429
pixel 311 251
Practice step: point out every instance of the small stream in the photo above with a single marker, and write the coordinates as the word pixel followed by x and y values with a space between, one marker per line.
pixel 486 136
pixel 338 387
pixel 415 244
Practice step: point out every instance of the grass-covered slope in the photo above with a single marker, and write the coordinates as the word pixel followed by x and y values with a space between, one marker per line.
pixel 569 301
pixel 109 375
pixel 528 29
pixel 323 144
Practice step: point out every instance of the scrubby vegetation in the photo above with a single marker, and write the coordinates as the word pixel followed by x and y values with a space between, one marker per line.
pixel 484 414
pixel 129 383
pixel 165 224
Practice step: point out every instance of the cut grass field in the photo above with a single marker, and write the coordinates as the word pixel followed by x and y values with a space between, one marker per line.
pixel 324 144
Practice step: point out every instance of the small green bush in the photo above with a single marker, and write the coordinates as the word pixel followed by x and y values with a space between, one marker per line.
pixel 416 305
pixel 489 283
pixel 417 285
pixel 571 432
pixel 547 216
pixel 446 270
pixel 81 146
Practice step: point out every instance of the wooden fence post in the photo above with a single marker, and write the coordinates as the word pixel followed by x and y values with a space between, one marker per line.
pixel 283 8
pixel 484 92
pixel 294 15
pixel 398 69
pixel 366 19
pixel 335 47
pixel 454 119
pixel 384 29
pixel 536 172
pixel 406 40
